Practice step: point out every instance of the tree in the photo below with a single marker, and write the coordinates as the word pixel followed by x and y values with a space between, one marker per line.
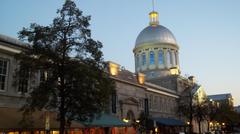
pixel 213 111
pixel 142 125
pixel 200 108
pixel 75 83
pixel 185 107
pixel 193 105
pixel 225 114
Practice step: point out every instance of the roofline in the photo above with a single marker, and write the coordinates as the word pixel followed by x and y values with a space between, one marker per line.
pixel 12 41
pixel 163 92
pixel 131 83
pixel 219 94
pixel 151 85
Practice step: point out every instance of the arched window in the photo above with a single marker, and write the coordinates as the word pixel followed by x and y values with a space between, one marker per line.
pixel 168 58
pixel 143 59
pixel 160 57
pixel 151 57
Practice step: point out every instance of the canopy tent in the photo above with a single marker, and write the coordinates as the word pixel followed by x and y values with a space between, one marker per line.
pixel 168 121
pixel 105 120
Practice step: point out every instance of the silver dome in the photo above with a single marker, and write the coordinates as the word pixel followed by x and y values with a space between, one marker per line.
pixel 155 34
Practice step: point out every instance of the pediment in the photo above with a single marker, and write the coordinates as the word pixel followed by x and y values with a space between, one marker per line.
pixel 130 100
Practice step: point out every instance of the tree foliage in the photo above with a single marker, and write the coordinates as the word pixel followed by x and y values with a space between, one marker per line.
pixel 200 108
pixel 142 125
pixel 185 106
pixel 75 83
pixel 223 113
pixel 192 106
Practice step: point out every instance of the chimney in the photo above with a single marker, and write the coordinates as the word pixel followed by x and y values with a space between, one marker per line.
pixel 113 68
pixel 141 78
pixel 174 71
pixel 192 79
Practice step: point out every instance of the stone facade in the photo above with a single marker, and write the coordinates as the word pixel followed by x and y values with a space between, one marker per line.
pixel 132 89
pixel 131 93
pixel 9 94
pixel 162 102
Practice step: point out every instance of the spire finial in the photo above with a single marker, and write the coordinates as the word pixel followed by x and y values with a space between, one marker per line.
pixel 153 4
pixel 153 16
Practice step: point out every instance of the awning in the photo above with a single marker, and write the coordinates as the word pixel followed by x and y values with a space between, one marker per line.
pixel 10 120
pixel 105 120
pixel 168 122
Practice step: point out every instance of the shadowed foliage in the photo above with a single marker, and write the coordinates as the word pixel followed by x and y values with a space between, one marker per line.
pixel 73 81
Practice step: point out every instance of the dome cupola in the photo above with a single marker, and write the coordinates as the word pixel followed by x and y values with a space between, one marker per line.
pixel 155 34
pixel 156 50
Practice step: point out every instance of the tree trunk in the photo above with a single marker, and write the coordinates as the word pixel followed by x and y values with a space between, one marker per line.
pixel 191 112
pixel 62 106
pixel 191 119
pixel 190 126
pixel 208 126
pixel 199 127
pixel 62 87
pixel 62 117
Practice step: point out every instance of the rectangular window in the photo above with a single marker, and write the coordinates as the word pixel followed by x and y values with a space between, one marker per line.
pixel 23 80
pixel 141 103
pixel 152 58
pixel 114 102
pixel 3 74
pixel 160 57
pixel 143 59
pixel 43 75
pixel 150 101
pixel 146 108
pixel 155 102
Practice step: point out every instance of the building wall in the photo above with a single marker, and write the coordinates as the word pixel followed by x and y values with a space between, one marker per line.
pixel 129 101
pixel 10 97
pixel 156 69
pixel 161 105
pixel 130 98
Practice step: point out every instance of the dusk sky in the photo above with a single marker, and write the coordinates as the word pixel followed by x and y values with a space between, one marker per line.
pixel 207 32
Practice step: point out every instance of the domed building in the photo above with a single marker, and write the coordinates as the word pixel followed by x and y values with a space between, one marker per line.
pixel 152 91
pixel 156 50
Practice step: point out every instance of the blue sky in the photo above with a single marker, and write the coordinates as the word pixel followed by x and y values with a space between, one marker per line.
pixel 208 32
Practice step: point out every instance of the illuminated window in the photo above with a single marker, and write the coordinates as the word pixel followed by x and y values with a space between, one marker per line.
pixel 43 75
pixel 3 74
pixel 151 57
pixel 160 57
pixel 143 59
